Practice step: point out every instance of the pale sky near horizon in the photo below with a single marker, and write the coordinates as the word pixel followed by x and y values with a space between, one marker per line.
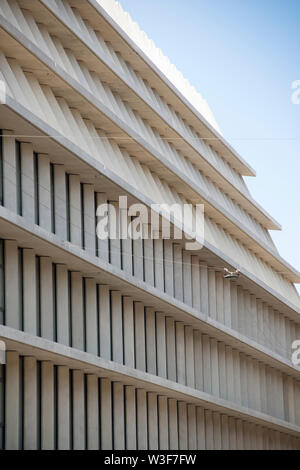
pixel 243 56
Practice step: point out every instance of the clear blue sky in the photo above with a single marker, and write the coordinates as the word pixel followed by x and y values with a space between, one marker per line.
pixel 242 56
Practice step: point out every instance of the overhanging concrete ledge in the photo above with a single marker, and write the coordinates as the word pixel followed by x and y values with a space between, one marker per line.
pixel 48 244
pixel 42 349
pixel 42 127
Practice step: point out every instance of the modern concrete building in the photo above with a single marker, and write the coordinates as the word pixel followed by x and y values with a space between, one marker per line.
pixel 120 343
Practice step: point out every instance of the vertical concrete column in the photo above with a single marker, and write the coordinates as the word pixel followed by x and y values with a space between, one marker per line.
pixel 180 352
pixel 248 320
pixel 187 278
pixel 173 424
pixel 9 170
pixel 252 429
pixel 117 327
pixel 141 419
pixel 260 437
pixel 200 423
pixel 128 322
pixel 118 416
pixel 182 425
pixel 288 339
pixel 44 192
pixel 89 219
pixel 62 305
pixel 217 430
pixel 29 292
pixel 106 414
pixel 239 435
pixel 78 410
pixel 150 341
pixel 130 417
pixel 192 429
pixel 222 370
pixel 272 328
pixel 280 396
pixel 75 210
pixel 126 243
pixel 198 360
pixel 207 383
pixel 178 272
pixel 237 376
pixel 204 287
pixel 250 378
pixel 232 433
pixel 149 261
pixel 266 326
pixel 159 264
pixel 114 234
pixel 289 399
pixel 282 440
pixel 244 383
pixel 138 261
pixel 92 418
pixel 256 385
pixel 282 349
pixel 215 384
pixel 269 386
pixel 227 302
pixel 263 387
pixel 234 306
pixel 12 300
pixel 189 355
pixel 30 403
pixel 209 431
pixel 104 321
pixel 63 408
pixel 12 401
pixel 229 373
pixel 277 440
pixel 60 203
pixel 163 423
pixel 161 345
pixel 47 406
pixel 225 432
pixel 168 267
pixel 91 316
pixel 27 181
pixel 260 325
pixel 246 434
pixel 253 316
pixel 220 297
pixel 212 300
pixel 152 421
pixel 196 283
pixel 102 244
pixel 171 350
pixel 46 298
pixel 289 445
pixel 277 344
pixel 140 338
pixel 77 311
pixel 240 309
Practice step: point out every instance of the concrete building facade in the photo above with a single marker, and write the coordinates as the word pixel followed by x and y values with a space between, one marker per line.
pixel 121 343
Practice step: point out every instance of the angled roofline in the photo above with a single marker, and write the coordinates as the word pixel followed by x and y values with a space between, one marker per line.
pixel 269 222
pixel 242 166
